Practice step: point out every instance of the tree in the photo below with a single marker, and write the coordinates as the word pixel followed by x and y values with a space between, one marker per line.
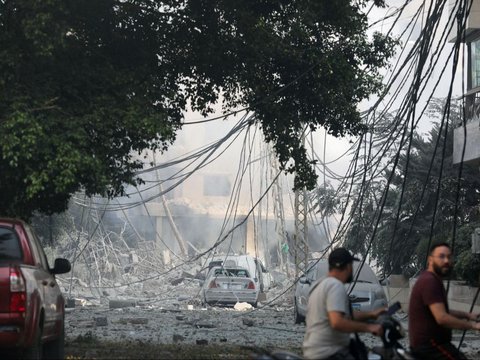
pixel 84 85
pixel 403 248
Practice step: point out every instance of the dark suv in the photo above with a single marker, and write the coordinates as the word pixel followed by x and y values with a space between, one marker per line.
pixel 32 308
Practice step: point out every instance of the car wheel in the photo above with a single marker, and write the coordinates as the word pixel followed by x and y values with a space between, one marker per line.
pixel 55 349
pixel 298 318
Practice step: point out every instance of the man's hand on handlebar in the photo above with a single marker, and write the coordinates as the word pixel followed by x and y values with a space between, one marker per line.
pixel 476 326
pixel 376 329
pixel 474 317
pixel 376 313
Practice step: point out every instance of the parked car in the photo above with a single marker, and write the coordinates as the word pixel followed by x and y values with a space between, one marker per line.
pixel 367 293
pixel 32 308
pixel 262 277
pixel 229 285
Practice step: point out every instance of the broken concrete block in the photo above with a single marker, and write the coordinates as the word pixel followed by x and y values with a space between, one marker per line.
pixel 178 338
pixel 204 324
pixel 248 322
pixel 139 321
pixel 118 304
pixel 101 321
pixel 134 321
pixel 177 281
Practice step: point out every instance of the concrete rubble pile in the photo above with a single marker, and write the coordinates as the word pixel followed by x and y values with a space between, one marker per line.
pixel 125 294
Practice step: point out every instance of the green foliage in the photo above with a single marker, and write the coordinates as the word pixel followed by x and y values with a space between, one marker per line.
pixel 51 228
pixel 86 85
pixel 327 201
pixel 467 264
pixel 403 249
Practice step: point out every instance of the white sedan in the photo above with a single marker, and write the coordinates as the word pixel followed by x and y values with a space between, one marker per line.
pixel 227 286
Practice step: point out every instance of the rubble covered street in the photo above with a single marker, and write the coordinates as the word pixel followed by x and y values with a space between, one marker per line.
pixel 134 299
pixel 168 312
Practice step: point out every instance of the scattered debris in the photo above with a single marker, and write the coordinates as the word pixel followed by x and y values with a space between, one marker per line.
pixel 177 281
pixel 207 325
pixel 178 338
pixel 242 306
pixel 118 304
pixel 101 321
pixel 248 322
pixel 135 321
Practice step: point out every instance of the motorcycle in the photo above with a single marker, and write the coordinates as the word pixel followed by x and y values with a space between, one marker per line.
pixel 391 349
pixel 392 333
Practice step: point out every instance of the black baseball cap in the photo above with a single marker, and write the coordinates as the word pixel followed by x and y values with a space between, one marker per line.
pixel 340 256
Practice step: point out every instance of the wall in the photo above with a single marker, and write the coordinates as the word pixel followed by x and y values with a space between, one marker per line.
pixel 472 148
pixel 460 297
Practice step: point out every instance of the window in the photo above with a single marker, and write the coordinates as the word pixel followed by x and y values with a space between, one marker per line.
pixel 220 272
pixel 472 97
pixel 474 80
pixel 36 247
pixel 216 185
pixel 232 272
pixel 9 245
pixel 241 273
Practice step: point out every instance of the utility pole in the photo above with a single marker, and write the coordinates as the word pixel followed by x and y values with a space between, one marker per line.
pixel 279 215
pixel 301 248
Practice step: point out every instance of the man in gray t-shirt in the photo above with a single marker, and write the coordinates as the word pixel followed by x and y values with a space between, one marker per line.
pixel 329 321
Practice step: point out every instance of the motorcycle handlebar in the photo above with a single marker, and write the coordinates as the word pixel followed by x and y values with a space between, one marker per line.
pixel 392 329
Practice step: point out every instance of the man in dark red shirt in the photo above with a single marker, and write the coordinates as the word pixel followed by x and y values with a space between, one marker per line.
pixel 430 320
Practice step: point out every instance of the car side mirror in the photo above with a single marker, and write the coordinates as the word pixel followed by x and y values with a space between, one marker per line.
pixel 61 266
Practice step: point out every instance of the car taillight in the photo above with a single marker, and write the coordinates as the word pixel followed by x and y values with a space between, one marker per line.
pixel 213 284
pixel 251 285
pixel 17 291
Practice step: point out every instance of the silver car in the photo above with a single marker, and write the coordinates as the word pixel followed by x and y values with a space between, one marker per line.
pixel 227 286
pixel 367 293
